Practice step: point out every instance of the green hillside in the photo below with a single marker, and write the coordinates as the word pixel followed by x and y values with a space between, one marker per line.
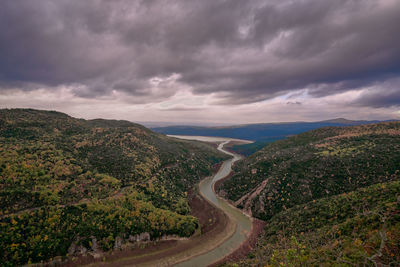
pixel 360 228
pixel 325 188
pixel 71 181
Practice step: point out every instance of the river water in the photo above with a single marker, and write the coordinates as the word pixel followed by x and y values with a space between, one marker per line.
pixel 206 189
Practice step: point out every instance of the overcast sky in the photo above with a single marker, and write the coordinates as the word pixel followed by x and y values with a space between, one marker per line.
pixel 203 61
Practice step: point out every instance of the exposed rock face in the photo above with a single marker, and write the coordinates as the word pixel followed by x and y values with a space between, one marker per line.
pixel 118 242
pixel 94 246
pixel 82 250
pixel 247 200
pixel 172 237
pixel 79 250
pixel 72 249
pixel 139 237
pixel 132 238
pixel 144 237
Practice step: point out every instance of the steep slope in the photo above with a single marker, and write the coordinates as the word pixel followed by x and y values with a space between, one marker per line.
pixel 330 196
pixel 68 185
pixel 316 164
pixel 360 228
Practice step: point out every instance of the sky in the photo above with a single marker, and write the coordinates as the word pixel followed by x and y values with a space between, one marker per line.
pixel 202 62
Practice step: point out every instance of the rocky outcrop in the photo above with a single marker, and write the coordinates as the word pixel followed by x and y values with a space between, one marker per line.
pixel 139 237
pixel 75 249
pixel 247 200
pixel 118 242
pixel 94 246
pixel 171 237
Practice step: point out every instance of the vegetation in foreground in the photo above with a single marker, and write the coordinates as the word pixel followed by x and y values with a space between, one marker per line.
pixel 330 197
pixel 360 228
pixel 69 185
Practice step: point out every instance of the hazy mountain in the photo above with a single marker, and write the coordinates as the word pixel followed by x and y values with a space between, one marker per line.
pixel 158 124
pixel 256 132
pixel 261 133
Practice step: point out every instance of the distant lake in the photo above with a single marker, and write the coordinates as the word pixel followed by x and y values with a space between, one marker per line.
pixel 210 138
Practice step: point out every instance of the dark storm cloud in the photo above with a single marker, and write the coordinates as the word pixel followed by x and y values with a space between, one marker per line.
pixel 294 103
pixel 381 99
pixel 246 51
pixel 381 95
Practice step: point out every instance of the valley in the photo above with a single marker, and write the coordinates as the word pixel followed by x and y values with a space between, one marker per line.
pixel 227 231
pixel 329 197
pixel 200 133
pixel 103 192
pixel 260 133
pixel 71 187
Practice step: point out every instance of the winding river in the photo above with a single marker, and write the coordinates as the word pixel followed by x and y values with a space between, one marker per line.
pixel 243 222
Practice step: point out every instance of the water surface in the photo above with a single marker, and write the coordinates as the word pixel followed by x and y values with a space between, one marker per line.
pixel 205 188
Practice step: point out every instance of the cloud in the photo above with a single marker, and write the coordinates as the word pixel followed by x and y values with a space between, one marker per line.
pixel 182 108
pixel 381 99
pixel 293 103
pixel 185 108
pixel 382 95
pixel 239 52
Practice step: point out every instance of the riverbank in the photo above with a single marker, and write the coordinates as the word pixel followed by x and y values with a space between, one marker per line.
pixel 248 245
pixel 225 233
pixel 244 222
pixel 215 228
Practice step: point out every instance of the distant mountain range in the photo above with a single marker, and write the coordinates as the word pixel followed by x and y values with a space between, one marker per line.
pixel 259 131
pixel 156 124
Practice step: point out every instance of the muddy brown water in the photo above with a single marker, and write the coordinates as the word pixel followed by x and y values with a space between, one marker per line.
pixel 244 222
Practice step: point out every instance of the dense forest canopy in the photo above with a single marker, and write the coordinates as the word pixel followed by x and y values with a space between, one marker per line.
pixel 73 182
pixel 330 196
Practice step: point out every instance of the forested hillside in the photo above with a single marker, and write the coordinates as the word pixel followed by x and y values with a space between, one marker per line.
pixel 68 185
pixel 329 196
pixel 360 228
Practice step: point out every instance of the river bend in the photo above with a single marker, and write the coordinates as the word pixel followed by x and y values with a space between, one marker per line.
pixel 242 221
